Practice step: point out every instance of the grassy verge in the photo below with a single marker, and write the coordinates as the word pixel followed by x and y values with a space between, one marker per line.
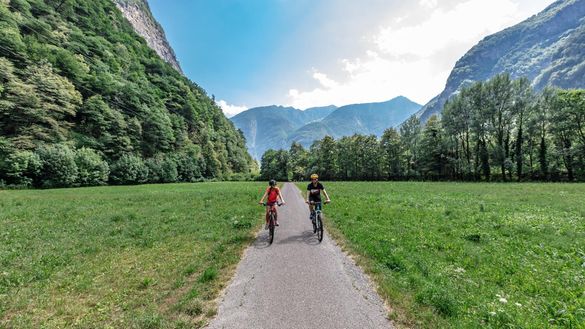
pixel 449 255
pixel 152 256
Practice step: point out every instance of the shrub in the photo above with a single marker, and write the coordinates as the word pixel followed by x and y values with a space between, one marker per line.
pixel 129 169
pixel 20 168
pixel 93 170
pixel 188 168
pixel 162 170
pixel 58 166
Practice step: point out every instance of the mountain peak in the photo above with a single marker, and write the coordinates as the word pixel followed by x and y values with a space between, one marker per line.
pixel 547 48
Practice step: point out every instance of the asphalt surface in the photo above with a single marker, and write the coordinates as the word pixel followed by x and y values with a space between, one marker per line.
pixel 298 282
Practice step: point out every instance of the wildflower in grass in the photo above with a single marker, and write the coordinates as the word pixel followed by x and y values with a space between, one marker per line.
pixel 492 313
pixel 518 304
pixel 459 270
pixel 503 300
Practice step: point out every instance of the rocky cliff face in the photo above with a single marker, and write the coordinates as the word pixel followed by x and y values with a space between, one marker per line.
pixel 137 12
pixel 546 48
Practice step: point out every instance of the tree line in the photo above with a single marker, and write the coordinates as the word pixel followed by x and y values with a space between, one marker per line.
pixel 498 130
pixel 79 86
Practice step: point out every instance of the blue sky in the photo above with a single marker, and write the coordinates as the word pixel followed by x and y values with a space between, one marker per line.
pixel 308 53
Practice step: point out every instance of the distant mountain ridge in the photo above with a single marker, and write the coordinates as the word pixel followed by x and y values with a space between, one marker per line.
pixel 276 127
pixel 269 126
pixel 548 48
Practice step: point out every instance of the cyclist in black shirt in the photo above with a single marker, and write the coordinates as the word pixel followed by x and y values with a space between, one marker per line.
pixel 314 192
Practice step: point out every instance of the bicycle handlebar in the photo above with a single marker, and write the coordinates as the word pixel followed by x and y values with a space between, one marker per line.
pixel 313 202
pixel 264 204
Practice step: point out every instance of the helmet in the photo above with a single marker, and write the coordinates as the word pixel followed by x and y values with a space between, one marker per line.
pixel 272 182
pixel 314 176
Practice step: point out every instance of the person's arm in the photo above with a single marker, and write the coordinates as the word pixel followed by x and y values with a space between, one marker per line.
pixel 264 196
pixel 326 195
pixel 281 198
pixel 308 193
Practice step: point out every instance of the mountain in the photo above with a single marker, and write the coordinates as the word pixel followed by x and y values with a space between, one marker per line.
pixel 138 13
pixel 75 76
pixel 268 127
pixel 547 48
pixel 364 119
pixel 276 127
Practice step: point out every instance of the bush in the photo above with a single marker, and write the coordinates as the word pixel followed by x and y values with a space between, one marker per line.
pixel 20 168
pixel 58 166
pixel 129 169
pixel 162 170
pixel 188 168
pixel 93 170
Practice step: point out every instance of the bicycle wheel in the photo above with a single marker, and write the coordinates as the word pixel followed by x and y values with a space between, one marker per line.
pixel 271 227
pixel 319 227
pixel 313 221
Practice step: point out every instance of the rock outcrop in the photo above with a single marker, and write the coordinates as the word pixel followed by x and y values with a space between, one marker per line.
pixel 138 13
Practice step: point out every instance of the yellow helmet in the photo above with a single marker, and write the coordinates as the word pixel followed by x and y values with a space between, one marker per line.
pixel 314 176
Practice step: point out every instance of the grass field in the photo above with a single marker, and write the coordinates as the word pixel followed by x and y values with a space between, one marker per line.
pixel 151 256
pixel 469 255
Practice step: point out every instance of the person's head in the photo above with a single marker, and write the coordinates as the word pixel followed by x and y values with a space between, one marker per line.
pixel 314 178
pixel 272 183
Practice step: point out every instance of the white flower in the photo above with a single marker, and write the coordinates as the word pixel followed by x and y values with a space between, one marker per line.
pixel 518 304
pixel 492 313
pixel 503 300
pixel 459 270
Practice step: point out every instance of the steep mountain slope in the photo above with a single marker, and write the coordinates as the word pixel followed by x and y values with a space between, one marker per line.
pixel 547 48
pixel 75 73
pixel 137 12
pixel 268 127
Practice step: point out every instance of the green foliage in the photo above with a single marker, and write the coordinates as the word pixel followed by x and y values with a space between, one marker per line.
pixel 58 166
pixel 275 165
pixel 494 130
pixel 128 170
pixel 21 168
pixel 75 72
pixel 92 169
pixel 162 170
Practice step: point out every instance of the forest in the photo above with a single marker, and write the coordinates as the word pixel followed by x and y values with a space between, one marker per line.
pixel 497 130
pixel 84 101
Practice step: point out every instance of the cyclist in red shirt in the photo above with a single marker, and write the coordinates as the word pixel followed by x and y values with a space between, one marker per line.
pixel 273 194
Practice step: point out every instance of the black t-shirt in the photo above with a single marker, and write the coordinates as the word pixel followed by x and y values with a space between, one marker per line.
pixel 315 191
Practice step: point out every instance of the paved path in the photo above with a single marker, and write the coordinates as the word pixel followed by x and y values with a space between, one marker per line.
pixel 298 282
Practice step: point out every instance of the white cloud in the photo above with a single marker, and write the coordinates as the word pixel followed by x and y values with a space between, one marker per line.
pixel 231 110
pixel 428 3
pixel 410 59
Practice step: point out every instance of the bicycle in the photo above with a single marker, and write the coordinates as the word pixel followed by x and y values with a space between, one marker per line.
pixel 317 220
pixel 271 220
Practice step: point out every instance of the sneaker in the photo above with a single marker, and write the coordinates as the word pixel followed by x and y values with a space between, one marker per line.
pixel 276 223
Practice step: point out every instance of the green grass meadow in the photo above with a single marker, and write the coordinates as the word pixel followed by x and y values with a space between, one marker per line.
pixel 151 256
pixel 453 255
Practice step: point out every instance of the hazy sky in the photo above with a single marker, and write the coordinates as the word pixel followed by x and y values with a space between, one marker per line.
pixel 307 53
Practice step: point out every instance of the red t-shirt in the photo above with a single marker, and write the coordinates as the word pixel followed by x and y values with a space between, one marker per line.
pixel 272 194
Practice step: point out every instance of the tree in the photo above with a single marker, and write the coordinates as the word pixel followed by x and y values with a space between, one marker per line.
pixel 521 108
pixel 410 135
pixel 392 154
pixel 432 160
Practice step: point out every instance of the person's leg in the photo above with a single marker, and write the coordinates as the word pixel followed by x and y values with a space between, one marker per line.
pixel 267 212
pixel 275 216
pixel 311 209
